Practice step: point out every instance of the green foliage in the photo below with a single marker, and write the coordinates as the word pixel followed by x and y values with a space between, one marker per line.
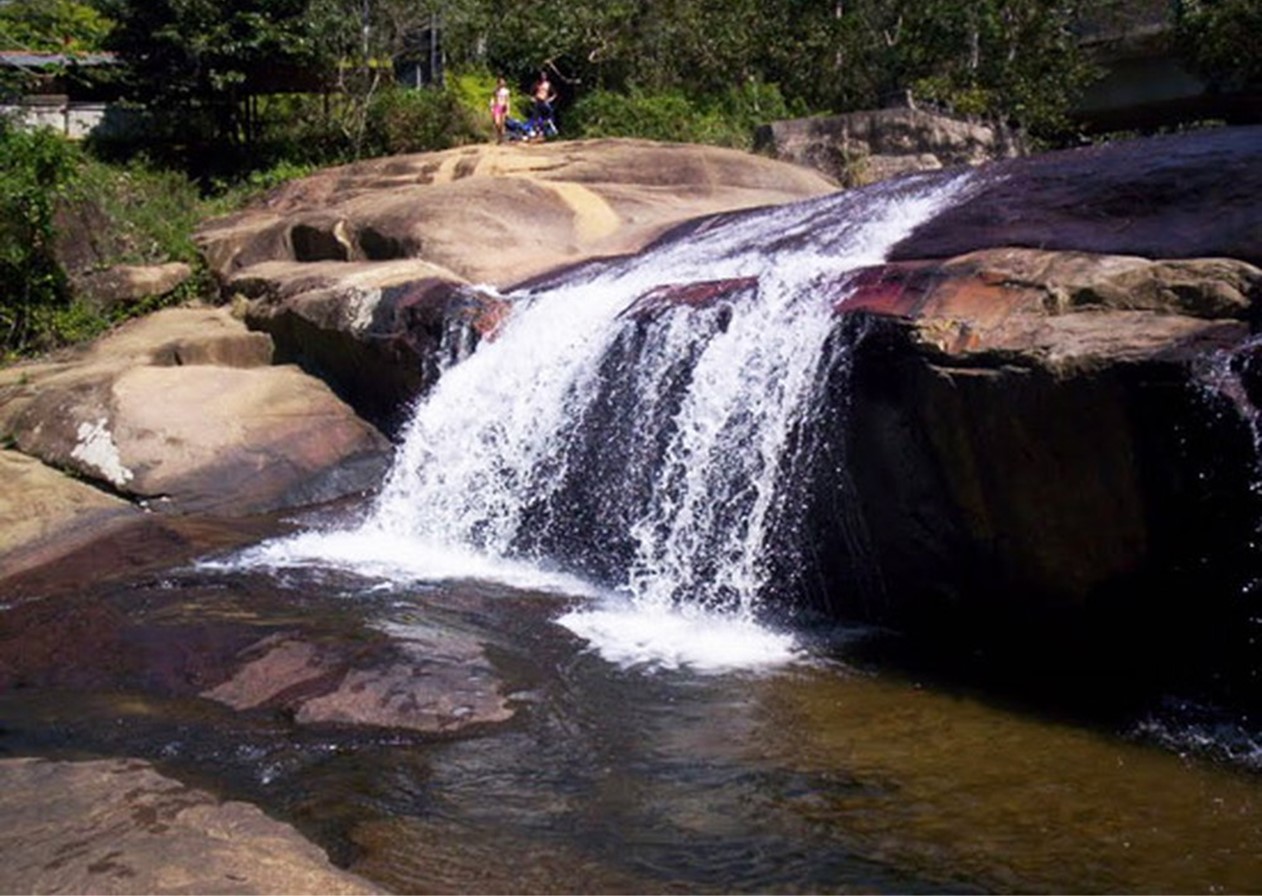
pixel 406 120
pixel 57 202
pixel 725 120
pixel 51 26
pixel 1217 37
pixel 35 169
pixel 197 64
pixel 147 214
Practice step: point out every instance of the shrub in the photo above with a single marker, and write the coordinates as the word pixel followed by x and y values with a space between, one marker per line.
pixel 418 120
pixel 35 170
pixel 148 214
pixel 729 119
pixel 63 213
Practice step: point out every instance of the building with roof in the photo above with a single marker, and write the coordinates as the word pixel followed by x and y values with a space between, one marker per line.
pixel 72 93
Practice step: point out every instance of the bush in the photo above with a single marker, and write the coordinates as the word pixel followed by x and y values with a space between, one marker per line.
pixel 35 170
pixel 729 119
pixel 404 120
pixel 148 214
pixel 63 213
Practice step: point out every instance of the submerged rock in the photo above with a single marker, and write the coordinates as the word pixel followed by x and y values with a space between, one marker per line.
pixel 437 681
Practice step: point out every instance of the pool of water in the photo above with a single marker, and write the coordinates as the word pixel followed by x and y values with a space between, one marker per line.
pixel 825 772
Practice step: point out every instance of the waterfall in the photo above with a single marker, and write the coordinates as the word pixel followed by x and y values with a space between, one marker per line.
pixel 632 424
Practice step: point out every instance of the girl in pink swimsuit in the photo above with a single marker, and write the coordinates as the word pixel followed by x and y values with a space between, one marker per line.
pixel 499 109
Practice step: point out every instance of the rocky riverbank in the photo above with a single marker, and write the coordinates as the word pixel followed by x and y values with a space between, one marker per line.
pixel 1050 416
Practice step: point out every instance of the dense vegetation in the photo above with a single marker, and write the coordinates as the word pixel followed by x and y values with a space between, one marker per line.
pixel 236 94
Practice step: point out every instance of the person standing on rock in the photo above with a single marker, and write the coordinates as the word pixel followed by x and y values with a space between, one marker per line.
pixel 499 108
pixel 542 96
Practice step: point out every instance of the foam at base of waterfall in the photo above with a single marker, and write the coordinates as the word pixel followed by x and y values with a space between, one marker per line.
pixel 633 634
pixel 396 558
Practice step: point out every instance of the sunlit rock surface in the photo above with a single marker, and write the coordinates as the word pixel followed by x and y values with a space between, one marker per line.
pixel 118 826
pixel 143 413
pixel 867 146
pixel 500 214
pixel 363 274
pixel 181 412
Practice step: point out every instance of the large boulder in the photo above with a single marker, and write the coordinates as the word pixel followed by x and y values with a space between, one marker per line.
pixel 125 284
pixel 118 826
pixel 138 415
pixel 180 411
pixel 500 214
pixel 44 513
pixel 1059 446
pixel 365 274
pixel 871 145
pixel 1190 195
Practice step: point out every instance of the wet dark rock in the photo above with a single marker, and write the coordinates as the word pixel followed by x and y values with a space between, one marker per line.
pixel 1047 452
pixel 696 295
pixel 1191 195
pixel 419 680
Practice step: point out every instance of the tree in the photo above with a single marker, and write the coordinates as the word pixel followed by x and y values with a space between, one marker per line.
pixel 1217 37
pixel 51 26
pixel 195 65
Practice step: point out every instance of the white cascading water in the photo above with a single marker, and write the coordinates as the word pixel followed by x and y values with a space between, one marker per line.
pixel 706 405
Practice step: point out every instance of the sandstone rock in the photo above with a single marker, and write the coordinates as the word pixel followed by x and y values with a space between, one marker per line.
pixel 206 439
pixel 195 437
pixel 499 214
pixel 44 513
pixel 1190 195
pixel 341 267
pixel 381 345
pixel 1043 438
pixel 117 826
pixel 125 284
pixel 1062 309
pixel 868 146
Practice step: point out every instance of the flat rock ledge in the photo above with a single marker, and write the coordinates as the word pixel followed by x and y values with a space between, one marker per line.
pixel 118 826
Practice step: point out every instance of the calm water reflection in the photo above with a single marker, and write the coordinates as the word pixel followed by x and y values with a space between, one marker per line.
pixel 815 778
